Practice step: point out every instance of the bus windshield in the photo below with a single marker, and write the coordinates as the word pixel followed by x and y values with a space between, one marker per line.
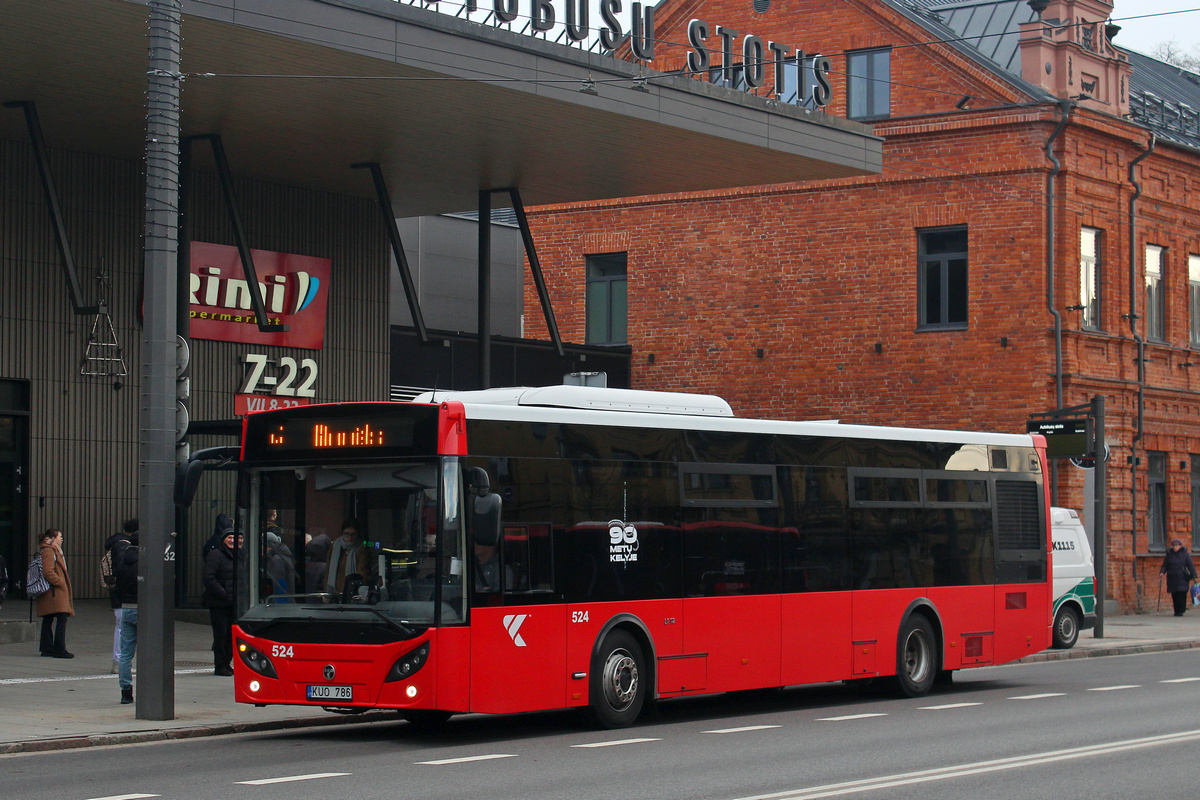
pixel 370 545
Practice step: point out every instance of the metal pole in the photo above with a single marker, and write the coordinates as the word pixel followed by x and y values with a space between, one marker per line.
pixel 1100 515
pixel 485 289
pixel 155 689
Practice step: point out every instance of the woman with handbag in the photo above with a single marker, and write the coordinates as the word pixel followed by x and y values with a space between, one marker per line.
pixel 54 604
pixel 1179 570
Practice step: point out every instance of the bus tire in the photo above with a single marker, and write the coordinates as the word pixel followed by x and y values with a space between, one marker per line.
pixel 1066 628
pixel 618 687
pixel 425 718
pixel 916 657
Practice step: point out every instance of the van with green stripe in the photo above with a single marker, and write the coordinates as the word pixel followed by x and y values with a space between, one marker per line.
pixel 1074 574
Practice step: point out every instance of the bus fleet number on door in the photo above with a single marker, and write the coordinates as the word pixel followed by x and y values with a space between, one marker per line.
pixel 579 616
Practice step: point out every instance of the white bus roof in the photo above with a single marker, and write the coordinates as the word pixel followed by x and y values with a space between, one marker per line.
pixel 591 405
pixel 597 398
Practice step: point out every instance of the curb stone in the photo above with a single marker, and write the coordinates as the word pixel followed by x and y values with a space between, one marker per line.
pixel 220 729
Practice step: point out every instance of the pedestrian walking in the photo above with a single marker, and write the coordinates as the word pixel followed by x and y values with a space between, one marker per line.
pixel 218 578
pixel 128 528
pixel 1180 571
pixel 55 605
pixel 124 554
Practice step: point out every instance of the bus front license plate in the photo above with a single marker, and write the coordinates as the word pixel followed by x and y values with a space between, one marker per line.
pixel 330 692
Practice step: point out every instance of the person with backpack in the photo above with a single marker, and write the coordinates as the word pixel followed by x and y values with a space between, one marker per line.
pixel 54 604
pixel 109 582
pixel 124 556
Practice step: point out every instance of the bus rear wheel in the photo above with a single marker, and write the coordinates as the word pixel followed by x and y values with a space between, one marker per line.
pixel 1066 628
pixel 916 657
pixel 618 690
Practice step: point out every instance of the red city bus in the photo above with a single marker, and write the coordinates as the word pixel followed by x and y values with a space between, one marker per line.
pixel 517 550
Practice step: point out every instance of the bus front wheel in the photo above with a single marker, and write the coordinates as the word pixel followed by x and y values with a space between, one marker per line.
pixel 618 689
pixel 916 657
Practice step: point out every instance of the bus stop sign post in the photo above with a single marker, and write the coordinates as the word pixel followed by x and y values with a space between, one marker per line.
pixel 1078 433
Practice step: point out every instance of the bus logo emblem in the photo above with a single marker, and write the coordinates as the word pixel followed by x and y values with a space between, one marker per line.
pixel 329 672
pixel 512 623
pixel 622 542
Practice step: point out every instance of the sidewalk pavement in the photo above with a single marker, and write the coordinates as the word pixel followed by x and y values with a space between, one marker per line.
pixel 57 704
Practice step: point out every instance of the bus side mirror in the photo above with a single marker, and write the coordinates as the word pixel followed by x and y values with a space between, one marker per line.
pixel 478 482
pixel 187 478
pixel 486 520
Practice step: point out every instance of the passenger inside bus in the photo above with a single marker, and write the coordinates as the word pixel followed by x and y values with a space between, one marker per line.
pixel 347 556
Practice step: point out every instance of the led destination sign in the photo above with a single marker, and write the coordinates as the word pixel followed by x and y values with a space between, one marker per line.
pixel 322 432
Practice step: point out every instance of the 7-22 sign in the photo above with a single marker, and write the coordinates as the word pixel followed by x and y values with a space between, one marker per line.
pixel 264 373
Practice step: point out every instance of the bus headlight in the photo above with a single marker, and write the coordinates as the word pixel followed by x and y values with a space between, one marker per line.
pixel 255 660
pixel 408 664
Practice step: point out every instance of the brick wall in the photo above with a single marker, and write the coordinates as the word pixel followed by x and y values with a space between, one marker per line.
pixel 822 277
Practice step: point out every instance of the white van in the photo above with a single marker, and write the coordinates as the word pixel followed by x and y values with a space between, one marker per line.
pixel 1074 574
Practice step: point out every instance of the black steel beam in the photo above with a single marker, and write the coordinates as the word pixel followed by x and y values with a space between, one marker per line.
pixel 535 267
pixel 56 217
pixel 389 221
pixel 239 233
pixel 485 289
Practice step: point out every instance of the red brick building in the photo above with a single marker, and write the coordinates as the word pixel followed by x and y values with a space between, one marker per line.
pixel 1032 242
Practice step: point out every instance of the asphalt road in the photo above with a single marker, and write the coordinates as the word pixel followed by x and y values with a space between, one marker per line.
pixel 1114 727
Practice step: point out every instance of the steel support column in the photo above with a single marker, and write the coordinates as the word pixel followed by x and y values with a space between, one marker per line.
pixel 155 690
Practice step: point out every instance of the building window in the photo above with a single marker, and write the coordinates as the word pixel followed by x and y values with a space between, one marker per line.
pixel 1156 311
pixel 1089 278
pixel 799 82
pixel 1156 507
pixel 1195 498
pixel 942 280
pixel 868 83
pixel 607 299
pixel 1194 299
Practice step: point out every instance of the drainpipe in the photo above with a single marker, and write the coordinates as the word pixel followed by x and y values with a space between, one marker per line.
pixel 1141 347
pixel 1065 107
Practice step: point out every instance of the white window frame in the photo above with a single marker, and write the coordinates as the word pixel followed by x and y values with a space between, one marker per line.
pixel 1194 299
pixel 1156 310
pixel 1089 278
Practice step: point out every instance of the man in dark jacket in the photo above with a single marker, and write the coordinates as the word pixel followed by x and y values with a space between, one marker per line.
pixel 218 579
pixel 124 554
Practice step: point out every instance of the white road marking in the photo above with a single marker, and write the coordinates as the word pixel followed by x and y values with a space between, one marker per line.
pixel 290 778
pixel 467 759
pixel 948 706
pixel 1038 696
pixel 745 729
pixel 978 768
pixel 126 797
pixel 1115 688
pixel 1180 680
pixel 849 717
pixel 616 743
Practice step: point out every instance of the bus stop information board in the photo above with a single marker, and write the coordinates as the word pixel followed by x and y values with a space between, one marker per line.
pixel 1064 437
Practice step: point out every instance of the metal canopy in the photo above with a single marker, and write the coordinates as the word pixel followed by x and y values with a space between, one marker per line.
pixel 441 136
